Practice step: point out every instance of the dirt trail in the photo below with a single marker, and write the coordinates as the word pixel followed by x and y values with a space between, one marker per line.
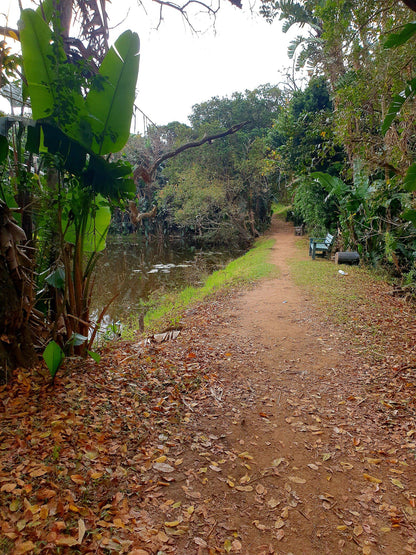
pixel 284 455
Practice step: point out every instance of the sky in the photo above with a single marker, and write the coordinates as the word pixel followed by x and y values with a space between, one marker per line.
pixel 180 68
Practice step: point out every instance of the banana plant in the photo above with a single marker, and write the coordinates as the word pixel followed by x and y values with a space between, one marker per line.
pixel 78 121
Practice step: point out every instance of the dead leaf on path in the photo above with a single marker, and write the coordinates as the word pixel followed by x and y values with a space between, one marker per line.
pixel 38 472
pixel 138 552
pixel 77 479
pixel 244 488
pixel 260 489
pixel 326 456
pixel 66 540
pixel 280 534
pixel 81 530
pixel 358 530
pixel 259 526
pixel 277 462
pixel 273 503
pixel 8 487
pixel 200 542
pixel 297 480
pixel 24 547
pixel 397 483
pixel 313 466
pixel 372 479
pixel 163 467
pixel 346 465
pixel 45 493
pixel 279 523
pixel 236 546
pixel 246 455
pixel 173 523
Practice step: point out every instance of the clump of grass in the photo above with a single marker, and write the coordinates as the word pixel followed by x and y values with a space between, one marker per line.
pixel 167 309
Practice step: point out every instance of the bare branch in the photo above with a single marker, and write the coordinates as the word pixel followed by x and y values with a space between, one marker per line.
pixel 9 32
pixel 147 175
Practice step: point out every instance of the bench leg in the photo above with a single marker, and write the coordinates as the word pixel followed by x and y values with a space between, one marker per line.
pixel 313 251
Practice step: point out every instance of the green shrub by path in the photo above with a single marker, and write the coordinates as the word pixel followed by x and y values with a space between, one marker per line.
pixel 167 309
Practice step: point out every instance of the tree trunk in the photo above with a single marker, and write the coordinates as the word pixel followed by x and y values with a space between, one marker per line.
pixel 16 341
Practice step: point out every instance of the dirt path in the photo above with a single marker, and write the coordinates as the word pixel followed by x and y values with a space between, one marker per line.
pixel 283 455
pixel 260 429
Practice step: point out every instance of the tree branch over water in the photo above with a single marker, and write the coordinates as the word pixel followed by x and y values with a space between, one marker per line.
pixel 147 174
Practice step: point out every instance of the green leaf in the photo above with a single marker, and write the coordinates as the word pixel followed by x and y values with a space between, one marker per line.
pixel 36 38
pixel 410 216
pixel 94 356
pixel 46 10
pixel 110 179
pixel 95 227
pixel 76 340
pixel 53 355
pixel 397 104
pixel 397 39
pixel 57 278
pixel 410 179
pixel 110 106
pixel 73 154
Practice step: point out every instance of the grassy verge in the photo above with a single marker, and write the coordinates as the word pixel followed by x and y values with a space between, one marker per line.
pixel 167 310
pixel 359 301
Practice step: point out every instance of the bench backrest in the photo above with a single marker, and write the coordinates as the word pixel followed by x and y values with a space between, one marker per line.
pixel 328 239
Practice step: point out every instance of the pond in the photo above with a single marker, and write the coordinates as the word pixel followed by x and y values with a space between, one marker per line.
pixel 134 269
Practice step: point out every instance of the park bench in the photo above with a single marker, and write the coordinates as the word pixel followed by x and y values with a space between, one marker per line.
pixel 322 245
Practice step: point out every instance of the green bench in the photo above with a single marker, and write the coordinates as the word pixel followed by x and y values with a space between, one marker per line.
pixel 320 244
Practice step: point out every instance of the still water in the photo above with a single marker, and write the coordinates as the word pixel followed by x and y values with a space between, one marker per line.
pixel 134 269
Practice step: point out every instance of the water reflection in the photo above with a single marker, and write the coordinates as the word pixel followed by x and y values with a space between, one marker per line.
pixel 135 268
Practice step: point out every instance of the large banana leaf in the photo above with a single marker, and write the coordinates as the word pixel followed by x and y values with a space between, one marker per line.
pixel 94 224
pixel 110 107
pixel 397 104
pixel 36 38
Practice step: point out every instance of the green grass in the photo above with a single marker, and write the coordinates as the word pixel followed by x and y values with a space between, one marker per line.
pixel 280 210
pixel 167 310
pixel 355 300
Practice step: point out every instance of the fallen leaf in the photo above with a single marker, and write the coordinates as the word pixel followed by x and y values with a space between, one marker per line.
pixel 313 466
pixel 66 540
pixel 200 542
pixel 397 483
pixel 24 547
pixel 280 534
pixel 297 480
pixel 163 467
pixel 81 530
pixel 358 530
pixel 77 479
pixel 244 488
pixel 172 523
pixel 372 479
pixel 279 523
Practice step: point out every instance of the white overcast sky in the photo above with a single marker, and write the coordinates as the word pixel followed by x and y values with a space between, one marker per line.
pixel 179 68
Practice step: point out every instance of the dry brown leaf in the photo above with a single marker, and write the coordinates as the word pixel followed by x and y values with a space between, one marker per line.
pixel 372 479
pixel 297 480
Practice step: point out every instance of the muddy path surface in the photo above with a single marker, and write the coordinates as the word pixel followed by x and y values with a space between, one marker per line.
pixel 287 452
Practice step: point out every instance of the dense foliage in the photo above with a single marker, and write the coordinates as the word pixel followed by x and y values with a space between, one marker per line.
pixel 219 193
pixel 343 146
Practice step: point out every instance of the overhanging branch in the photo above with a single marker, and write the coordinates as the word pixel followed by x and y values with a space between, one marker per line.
pixel 147 175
